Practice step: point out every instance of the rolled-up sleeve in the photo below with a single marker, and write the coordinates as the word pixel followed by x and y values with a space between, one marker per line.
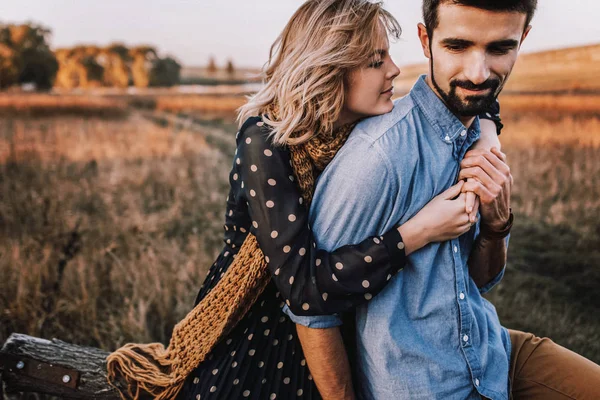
pixel 314 321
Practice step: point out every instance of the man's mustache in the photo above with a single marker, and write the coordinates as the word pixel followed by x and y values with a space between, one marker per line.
pixel 489 84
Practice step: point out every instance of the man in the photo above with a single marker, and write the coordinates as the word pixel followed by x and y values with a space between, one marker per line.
pixel 430 334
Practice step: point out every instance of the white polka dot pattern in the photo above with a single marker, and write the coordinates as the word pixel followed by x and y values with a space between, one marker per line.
pixel 264 196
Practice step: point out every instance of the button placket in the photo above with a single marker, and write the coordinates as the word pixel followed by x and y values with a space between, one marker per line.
pixel 461 292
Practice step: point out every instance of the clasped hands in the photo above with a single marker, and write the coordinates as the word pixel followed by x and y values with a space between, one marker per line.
pixel 484 185
pixel 487 187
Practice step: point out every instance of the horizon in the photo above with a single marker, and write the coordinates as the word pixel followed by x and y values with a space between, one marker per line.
pixel 245 36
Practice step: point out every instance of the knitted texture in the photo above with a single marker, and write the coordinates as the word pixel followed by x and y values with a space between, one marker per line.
pixel 137 370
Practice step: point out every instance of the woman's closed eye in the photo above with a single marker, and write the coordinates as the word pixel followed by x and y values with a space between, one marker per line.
pixel 376 64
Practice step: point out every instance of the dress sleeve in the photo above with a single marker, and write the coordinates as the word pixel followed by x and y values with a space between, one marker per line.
pixel 313 281
pixel 493 114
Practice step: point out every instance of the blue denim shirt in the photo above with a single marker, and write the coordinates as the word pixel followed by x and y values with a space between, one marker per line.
pixel 429 334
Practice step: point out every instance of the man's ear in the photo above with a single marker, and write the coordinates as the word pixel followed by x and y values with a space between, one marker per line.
pixel 424 38
pixel 525 33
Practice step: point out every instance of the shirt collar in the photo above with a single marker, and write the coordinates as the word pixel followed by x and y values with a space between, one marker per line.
pixel 447 125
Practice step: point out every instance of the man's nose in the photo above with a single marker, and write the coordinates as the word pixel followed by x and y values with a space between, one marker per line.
pixel 477 71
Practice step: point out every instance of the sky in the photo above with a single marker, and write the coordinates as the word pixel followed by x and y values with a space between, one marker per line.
pixel 242 30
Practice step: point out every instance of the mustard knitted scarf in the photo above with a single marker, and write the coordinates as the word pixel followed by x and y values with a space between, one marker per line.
pixel 149 369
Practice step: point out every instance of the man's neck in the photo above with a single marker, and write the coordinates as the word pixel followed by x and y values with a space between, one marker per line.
pixel 466 121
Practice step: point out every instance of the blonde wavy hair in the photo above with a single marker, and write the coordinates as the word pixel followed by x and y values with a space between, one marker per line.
pixel 304 79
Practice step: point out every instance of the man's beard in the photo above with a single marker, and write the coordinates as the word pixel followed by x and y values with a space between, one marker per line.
pixel 470 106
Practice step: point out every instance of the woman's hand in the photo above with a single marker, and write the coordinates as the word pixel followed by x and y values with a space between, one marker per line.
pixel 443 218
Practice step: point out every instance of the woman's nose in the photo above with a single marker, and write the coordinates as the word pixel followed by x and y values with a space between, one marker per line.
pixel 394 71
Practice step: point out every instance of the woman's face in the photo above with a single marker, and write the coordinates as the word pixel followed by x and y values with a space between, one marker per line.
pixel 369 88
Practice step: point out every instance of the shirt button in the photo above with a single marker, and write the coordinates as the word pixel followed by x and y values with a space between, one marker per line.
pixel 447 138
pixel 463 133
pixel 465 338
pixel 455 249
pixel 476 382
pixel 462 296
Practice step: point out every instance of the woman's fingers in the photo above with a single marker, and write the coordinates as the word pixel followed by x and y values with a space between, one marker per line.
pixel 465 228
pixel 462 218
pixel 470 201
pixel 475 210
pixel 453 191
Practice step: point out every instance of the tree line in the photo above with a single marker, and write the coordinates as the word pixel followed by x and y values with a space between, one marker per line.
pixel 25 57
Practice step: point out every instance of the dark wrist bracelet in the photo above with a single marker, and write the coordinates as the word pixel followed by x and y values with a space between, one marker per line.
pixel 487 233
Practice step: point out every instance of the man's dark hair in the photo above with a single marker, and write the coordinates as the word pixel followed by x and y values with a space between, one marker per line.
pixel 430 9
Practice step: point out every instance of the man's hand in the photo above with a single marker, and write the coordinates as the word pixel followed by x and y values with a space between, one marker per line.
pixel 489 177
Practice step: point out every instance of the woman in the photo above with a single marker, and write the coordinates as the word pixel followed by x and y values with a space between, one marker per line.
pixel 328 69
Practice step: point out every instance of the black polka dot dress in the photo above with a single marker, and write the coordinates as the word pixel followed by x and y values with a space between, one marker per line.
pixel 262 357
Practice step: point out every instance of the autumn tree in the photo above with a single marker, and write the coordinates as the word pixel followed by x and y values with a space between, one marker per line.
pixel 10 66
pixel 165 72
pixel 25 56
pixel 117 62
pixel 79 67
pixel 212 66
pixel 230 68
pixel 144 58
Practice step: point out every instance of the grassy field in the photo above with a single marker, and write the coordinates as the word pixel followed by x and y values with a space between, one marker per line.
pixel 107 226
pixel 550 287
pixel 110 219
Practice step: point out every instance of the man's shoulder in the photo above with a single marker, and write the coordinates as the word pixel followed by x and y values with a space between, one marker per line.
pixel 374 141
pixel 378 127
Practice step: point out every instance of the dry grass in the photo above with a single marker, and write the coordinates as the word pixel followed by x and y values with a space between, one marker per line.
pixel 200 103
pixel 556 167
pixel 84 139
pixel 109 248
pixel 115 106
pixel 43 105
pixel 107 226
pixel 551 286
pixel 551 105
pixel 562 70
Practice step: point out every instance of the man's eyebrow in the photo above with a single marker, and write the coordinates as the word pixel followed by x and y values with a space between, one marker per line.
pixel 457 42
pixel 505 43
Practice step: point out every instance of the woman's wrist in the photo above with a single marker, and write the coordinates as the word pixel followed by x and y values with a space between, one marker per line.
pixel 414 235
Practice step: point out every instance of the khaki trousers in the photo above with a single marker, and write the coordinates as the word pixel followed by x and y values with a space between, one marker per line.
pixel 541 369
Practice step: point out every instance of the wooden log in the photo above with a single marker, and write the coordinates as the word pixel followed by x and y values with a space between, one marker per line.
pixel 54 367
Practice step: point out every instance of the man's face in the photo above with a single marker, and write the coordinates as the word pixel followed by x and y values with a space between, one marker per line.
pixel 471 54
